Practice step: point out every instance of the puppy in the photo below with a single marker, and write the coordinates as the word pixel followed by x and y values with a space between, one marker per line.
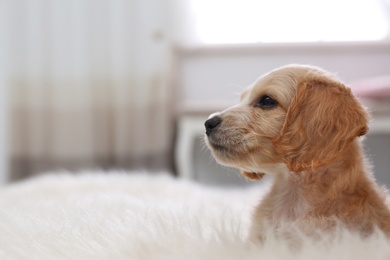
pixel 302 126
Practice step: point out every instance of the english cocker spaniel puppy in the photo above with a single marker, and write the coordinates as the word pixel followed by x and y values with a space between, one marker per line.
pixel 302 126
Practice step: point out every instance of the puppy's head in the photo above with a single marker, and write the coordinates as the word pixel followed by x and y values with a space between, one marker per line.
pixel 299 117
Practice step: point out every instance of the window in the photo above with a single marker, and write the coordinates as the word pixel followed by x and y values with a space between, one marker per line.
pixel 249 21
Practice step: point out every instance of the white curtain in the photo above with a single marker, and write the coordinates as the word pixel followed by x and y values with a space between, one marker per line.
pixel 88 82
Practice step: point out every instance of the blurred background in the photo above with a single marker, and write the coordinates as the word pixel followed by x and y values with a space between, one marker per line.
pixel 127 84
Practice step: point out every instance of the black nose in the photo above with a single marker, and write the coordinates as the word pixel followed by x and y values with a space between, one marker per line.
pixel 212 124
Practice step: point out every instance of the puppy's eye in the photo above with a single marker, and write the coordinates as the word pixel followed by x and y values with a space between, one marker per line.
pixel 267 102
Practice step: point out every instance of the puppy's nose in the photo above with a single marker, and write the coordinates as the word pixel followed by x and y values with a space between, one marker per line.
pixel 211 124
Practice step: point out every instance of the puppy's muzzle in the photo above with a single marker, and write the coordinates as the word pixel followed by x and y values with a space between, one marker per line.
pixel 212 124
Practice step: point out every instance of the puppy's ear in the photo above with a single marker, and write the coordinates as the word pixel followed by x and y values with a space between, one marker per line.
pixel 322 120
pixel 252 175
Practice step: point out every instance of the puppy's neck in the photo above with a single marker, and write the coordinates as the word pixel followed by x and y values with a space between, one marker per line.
pixel 326 192
pixel 342 173
pixel 343 192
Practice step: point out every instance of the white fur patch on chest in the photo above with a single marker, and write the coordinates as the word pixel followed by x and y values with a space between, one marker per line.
pixel 288 203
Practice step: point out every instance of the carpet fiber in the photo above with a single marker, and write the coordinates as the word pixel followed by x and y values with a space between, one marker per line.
pixel 138 216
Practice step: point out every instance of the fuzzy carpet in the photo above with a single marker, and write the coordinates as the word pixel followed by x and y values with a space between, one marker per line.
pixel 139 216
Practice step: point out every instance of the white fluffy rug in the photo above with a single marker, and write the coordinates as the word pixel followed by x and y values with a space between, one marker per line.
pixel 139 216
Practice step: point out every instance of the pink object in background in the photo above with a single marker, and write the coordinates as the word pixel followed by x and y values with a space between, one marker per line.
pixel 377 88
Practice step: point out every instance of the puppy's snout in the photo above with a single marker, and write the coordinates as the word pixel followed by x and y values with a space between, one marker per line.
pixel 212 124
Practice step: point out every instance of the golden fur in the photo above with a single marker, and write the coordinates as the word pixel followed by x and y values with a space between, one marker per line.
pixel 309 141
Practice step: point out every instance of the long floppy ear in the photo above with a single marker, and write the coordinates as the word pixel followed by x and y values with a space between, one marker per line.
pixel 252 175
pixel 322 120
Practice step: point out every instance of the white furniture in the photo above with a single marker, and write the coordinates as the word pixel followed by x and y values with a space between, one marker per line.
pixel 3 100
pixel 189 128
